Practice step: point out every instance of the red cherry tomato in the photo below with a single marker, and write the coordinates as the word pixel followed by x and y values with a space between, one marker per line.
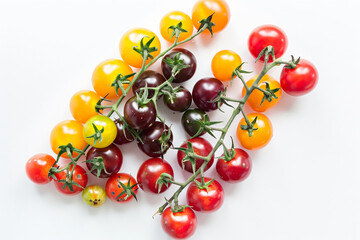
pixel 207 200
pixel 300 80
pixel 264 36
pixel 150 171
pixel 38 166
pixel 115 191
pixel 235 170
pixel 79 176
pixel 179 224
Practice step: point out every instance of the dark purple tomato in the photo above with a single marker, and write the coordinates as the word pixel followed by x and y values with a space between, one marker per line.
pixel 155 143
pixel 180 101
pixel 148 78
pixel 112 158
pixel 202 148
pixel 150 171
pixel 139 116
pixel 186 73
pixel 205 91
pixel 123 135
pixel 191 121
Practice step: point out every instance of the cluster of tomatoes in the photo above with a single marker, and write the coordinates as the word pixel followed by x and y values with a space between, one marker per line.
pixel 97 136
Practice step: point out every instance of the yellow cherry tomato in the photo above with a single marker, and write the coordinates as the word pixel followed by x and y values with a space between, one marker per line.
pixel 104 75
pixel 224 63
pixel 82 105
pixel 65 132
pixel 260 137
pixel 132 39
pixel 103 124
pixel 94 195
pixel 204 8
pixel 172 19
pixel 256 97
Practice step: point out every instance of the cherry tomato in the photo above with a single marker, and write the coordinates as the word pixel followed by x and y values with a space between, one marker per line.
pixel 204 8
pixel 208 199
pixel 202 148
pixel 154 142
pixel 94 195
pixel 102 123
pixel 172 19
pixel 224 63
pixel 123 135
pixel 180 101
pixel 65 132
pixel 179 225
pixel 256 97
pixel 112 159
pixel 191 121
pixel 235 170
pixel 115 191
pixel 150 171
pixel 260 137
pixel 132 39
pixel 205 91
pixel 82 105
pixel 79 176
pixel 38 166
pixel 139 116
pixel 105 74
pixel 186 73
pixel 148 78
pixel 264 36
pixel 300 80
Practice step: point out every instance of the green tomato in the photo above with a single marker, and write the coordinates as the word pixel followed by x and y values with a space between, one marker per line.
pixel 103 134
pixel 94 195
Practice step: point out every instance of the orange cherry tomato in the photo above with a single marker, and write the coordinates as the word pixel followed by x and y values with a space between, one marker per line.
pixel 132 39
pixel 260 137
pixel 82 105
pixel 204 8
pixel 224 63
pixel 257 96
pixel 172 19
pixel 104 75
pixel 65 132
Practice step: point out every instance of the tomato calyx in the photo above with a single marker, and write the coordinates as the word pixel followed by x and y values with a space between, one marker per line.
pixel 269 94
pixel 164 179
pixel 165 139
pixel 99 107
pixel 203 184
pixel 238 73
pixel 176 64
pixel 176 30
pixel 249 127
pixel 266 52
pixel 98 165
pixel 206 126
pixel 145 50
pixel 128 189
pixel 190 155
pixel 292 64
pixel 97 136
pixel 207 24
pixel 228 154
pixel 119 82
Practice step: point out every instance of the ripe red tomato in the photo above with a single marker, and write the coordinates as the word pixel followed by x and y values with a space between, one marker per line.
pixel 38 166
pixel 235 170
pixel 202 148
pixel 79 176
pixel 264 36
pixel 300 80
pixel 116 192
pixel 179 224
pixel 207 200
pixel 150 171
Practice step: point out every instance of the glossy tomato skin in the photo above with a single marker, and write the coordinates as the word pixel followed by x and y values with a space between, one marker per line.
pixel 101 122
pixel 224 63
pixel 235 170
pixel 38 166
pixel 256 96
pixel 202 148
pixel 172 19
pixel 112 158
pixel 139 117
pixel 82 105
pixel 132 38
pixel 186 73
pixel 150 144
pixel 261 137
pixel 105 74
pixel 181 101
pixel 205 91
pixel 264 36
pixel 113 188
pixel 150 171
pixel 300 80
pixel 65 132
pixel 94 196
pixel 179 225
pixel 123 136
pixel 191 121
pixel 205 200
pixel 204 8
pixel 148 78
pixel 79 176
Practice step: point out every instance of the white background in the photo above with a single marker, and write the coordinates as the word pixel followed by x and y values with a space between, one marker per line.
pixel 304 185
